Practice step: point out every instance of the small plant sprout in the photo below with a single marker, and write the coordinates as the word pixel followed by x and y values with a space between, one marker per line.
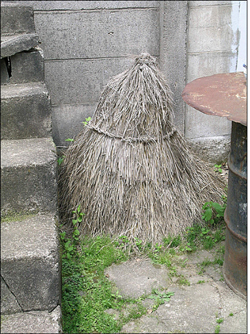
pixel 218 168
pixel 60 160
pixel 161 297
pixel 231 314
pixel 86 121
pixel 76 221
pixel 217 329
pixel 69 139
pixel 219 321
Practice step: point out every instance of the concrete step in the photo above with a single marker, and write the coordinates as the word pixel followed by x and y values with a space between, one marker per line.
pixel 28 175
pixel 16 19
pixel 30 269
pixel 13 44
pixel 32 322
pixel 25 111
pixel 25 67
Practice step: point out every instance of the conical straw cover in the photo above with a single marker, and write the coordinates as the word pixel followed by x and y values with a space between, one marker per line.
pixel 136 105
pixel 130 170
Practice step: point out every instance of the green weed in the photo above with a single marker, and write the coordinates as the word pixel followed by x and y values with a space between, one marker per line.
pixel 60 160
pixel 160 297
pixel 213 212
pixel 86 121
pixel 217 329
pixel 183 281
pixel 218 168
pixel 219 321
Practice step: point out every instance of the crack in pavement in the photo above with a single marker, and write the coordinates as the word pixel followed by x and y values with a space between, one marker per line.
pixel 12 293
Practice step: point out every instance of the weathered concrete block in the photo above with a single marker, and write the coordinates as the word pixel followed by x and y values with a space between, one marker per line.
pixel 200 125
pixel 208 3
pixel 173 52
pixel 25 111
pixel 25 67
pixel 9 303
pixel 67 121
pixel 212 149
pixel 81 5
pixel 209 63
pixel 16 19
pixel 11 45
pixel 82 80
pixel 28 172
pixel 210 39
pixel 95 34
pixel 32 322
pixel 210 16
pixel 30 262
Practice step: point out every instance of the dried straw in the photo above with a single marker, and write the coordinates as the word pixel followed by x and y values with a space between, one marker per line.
pixel 130 169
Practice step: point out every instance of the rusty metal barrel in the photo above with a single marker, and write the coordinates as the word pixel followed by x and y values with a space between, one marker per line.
pixel 235 216
pixel 225 95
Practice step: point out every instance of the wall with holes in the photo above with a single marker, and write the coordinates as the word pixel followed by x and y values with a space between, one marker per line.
pixel 87 42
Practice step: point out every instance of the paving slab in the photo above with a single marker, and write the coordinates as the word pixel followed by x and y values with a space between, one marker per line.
pixel 199 299
pixel 32 322
pixel 137 277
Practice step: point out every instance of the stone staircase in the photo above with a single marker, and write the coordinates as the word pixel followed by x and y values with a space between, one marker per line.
pixel 30 263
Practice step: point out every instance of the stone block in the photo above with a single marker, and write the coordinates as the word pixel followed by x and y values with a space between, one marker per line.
pixel 212 149
pixel 200 125
pixel 87 5
pixel 210 39
pixel 25 111
pixel 208 3
pixel 209 63
pixel 95 34
pixel 25 67
pixel 173 52
pixel 28 175
pixel 32 322
pixel 16 19
pixel 81 81
pixel 9 303
pixel 13 44
pixel 210 16
pixel 67 121
pixel 30 262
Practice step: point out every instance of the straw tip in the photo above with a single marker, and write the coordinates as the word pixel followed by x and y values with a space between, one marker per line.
pixel 145 58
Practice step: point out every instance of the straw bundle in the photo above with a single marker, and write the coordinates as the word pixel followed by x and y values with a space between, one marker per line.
pixel 130 169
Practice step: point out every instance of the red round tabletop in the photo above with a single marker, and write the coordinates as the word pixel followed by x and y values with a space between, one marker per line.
pixel 219 95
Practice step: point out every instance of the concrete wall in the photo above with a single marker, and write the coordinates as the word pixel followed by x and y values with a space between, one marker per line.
pixel 213 40
pixel 87 42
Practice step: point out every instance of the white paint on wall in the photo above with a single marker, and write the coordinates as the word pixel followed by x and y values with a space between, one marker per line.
pixel 242 51
pixel 238 25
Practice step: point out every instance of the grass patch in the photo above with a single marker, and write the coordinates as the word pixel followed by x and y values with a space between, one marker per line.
pixel 17 217
pixel 87 293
